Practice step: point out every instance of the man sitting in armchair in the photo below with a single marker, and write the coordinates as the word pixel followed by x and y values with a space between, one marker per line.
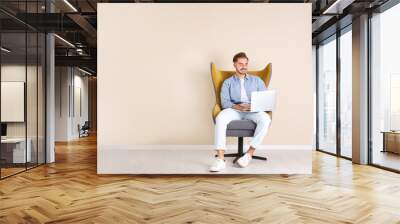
pixel 236 100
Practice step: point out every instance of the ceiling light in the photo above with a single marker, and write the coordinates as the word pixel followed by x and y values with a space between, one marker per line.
pixel 64 40
pixel 84 71
pixel 70 5
pixel 337 7
pixel 331 7
pixel 5 50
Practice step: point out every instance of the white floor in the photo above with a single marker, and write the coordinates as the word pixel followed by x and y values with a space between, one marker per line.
pixel 198 161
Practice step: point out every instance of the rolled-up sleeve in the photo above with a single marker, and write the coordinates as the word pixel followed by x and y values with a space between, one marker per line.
pixel 225 96
pixel 261 85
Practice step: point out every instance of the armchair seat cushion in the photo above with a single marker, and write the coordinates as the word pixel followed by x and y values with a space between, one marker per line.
pixel 242 125
pixel 241 128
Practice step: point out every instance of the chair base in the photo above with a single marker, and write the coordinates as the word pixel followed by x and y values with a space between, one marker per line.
pixel 237 155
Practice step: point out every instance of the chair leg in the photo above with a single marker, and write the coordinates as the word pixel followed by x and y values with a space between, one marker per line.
pixel 240 149
pixel 259 157
pixel 229 155
pixel 240 146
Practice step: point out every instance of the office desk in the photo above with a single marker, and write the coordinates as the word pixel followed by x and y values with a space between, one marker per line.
pixel 391 141
pixel 13 150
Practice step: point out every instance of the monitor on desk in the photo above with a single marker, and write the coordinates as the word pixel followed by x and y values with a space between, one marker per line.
pixel 3 130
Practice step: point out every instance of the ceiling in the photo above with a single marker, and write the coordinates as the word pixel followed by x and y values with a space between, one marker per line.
pixel 75 22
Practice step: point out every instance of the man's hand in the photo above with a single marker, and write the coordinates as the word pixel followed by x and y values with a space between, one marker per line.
pixel 242 107
pixel 246 106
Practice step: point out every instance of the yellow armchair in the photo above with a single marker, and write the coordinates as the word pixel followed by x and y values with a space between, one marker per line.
pixel 236 128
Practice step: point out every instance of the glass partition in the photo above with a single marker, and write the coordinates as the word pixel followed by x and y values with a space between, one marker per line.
pixel 22 63
pixel 327 96
pixel 13 95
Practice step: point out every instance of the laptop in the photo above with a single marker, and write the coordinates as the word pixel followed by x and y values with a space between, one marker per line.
pixel 263 101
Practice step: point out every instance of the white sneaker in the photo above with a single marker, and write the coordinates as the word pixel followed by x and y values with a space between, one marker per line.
pixel 244 160
pixel 218 165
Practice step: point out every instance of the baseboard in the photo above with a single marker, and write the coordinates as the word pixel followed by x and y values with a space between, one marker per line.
pixel 200 147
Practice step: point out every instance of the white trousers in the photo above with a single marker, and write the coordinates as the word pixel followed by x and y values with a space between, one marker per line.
pixel 262 119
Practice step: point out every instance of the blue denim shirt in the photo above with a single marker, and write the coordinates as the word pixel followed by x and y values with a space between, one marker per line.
pixel 230 91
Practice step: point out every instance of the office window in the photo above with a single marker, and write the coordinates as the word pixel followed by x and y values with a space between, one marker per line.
pixel 346 92
pixel 327 96
pixel 385 88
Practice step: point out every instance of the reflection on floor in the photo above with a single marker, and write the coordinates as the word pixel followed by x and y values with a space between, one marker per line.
pixel 346 152
pixel 10 169
pixel 387 159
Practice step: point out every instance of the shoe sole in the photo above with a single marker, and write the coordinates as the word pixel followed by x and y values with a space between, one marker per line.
pixel 214 171
pixel 241 164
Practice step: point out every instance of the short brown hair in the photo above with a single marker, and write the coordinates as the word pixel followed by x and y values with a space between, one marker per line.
pixel 239 55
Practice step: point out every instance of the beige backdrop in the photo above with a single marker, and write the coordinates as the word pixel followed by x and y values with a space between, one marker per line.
pixel 154 83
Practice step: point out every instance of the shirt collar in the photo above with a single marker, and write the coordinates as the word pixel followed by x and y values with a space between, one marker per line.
pixel 245 77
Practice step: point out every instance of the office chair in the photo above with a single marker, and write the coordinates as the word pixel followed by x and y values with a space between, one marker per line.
pixel 84 130
pixel 237 128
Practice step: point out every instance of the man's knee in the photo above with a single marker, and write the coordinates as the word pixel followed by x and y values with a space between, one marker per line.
pixel 263 118
pixel 220 119
pixel 224 117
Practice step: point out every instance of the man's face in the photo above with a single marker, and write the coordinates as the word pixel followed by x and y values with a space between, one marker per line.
pixel 241 66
